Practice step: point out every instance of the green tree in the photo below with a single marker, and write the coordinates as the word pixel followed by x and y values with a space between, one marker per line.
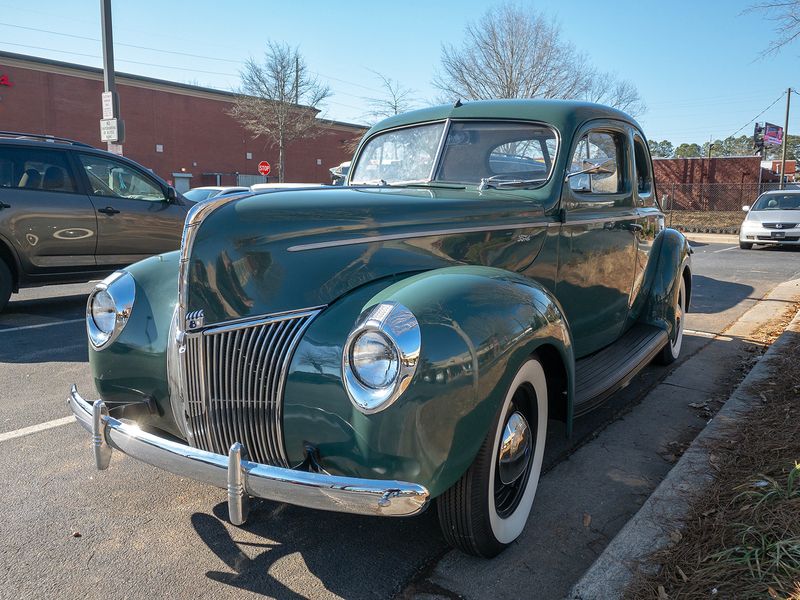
pixel 662 149
pixel 688 151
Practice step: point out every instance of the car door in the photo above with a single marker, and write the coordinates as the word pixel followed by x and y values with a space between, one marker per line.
pixel 44 213
pixel 597 243
pixel 135 218
pixel 651 219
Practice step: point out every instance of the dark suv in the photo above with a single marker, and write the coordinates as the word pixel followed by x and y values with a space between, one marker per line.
pixel 70 212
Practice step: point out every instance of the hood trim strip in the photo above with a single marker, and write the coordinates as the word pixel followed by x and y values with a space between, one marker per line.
pixel 417 234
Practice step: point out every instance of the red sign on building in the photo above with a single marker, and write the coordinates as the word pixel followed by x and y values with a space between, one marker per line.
pixel 4 80
pixel 264 168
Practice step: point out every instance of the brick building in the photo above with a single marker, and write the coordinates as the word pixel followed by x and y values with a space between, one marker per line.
pixel 180 131
pixel 721 183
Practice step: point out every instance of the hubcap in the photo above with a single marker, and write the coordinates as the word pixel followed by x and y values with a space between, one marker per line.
pixel 515 449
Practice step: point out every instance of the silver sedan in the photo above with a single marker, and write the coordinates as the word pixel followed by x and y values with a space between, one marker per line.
pixel 773 219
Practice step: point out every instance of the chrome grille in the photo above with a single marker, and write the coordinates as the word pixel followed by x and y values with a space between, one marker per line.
pixel 235 374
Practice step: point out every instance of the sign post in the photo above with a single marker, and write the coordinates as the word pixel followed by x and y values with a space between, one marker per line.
pixel 264 168
pixel 113 134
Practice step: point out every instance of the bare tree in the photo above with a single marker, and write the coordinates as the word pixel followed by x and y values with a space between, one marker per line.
pixel 278 99
pixel 513 52
pixel 396 99
pixel 607 88
pixel 786 15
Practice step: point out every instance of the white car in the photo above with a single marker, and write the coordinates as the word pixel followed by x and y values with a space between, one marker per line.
pixel 200 194
pixel 268 187
pixel 773 219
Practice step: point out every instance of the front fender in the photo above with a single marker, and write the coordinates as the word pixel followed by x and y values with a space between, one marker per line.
pixel 133 367
pixel 478 325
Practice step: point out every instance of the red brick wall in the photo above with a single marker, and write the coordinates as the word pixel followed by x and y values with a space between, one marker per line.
pixel 195 132
pixel 738 169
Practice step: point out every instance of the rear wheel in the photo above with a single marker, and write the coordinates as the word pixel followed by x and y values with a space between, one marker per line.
pixel 6 284
pixel 488 507
pixel 672 349
pixel 745 245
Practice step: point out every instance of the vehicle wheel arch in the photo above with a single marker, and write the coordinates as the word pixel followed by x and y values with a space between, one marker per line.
pixel 471 300
pixel 9 256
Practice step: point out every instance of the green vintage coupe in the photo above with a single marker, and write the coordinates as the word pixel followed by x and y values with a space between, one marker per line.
pixel 370 348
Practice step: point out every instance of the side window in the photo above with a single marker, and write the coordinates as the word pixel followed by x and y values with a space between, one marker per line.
pixel 35 169
pixel 601 152
pixel 644 177
pixel 109 177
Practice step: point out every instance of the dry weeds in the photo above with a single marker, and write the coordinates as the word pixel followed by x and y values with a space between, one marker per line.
pixel 741 538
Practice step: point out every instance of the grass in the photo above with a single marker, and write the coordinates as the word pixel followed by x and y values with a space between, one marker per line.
pixel 694 220
pixel 741 538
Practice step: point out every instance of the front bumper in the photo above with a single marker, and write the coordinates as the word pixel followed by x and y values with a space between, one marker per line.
pixel 241 477
pixel 755 234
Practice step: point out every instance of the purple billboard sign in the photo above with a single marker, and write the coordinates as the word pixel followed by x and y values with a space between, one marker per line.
pixel 773 135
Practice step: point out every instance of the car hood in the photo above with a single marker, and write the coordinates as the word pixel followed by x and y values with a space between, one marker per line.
pixel 291 250
pixel 774 216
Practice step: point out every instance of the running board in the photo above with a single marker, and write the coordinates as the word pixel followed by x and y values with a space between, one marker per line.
pixel 601 374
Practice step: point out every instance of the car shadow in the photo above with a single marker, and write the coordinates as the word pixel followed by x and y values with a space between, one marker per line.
pixel 714 296
pixel 32 310
pixel 351 556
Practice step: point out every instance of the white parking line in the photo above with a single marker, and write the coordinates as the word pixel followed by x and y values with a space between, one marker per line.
pixel 10 329
pixel 10 435
pixel 725 249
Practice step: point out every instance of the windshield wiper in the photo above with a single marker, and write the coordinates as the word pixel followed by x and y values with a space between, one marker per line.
pixel 435 184
pixel 496 182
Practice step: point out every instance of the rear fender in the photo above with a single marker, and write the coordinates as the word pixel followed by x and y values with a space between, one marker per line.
pixel 674 261
pixel 478 326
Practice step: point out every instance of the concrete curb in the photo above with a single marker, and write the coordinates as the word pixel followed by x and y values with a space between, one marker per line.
pixel 649 530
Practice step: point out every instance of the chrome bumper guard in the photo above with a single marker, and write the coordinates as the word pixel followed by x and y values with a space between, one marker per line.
pixel 241 477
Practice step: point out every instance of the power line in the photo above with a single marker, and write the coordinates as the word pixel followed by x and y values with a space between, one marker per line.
pixel 758 115
pixel 174 52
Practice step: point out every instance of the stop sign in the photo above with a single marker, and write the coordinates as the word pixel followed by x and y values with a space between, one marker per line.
pixel 263 167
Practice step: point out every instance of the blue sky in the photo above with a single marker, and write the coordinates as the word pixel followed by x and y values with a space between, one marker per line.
pixel 696 64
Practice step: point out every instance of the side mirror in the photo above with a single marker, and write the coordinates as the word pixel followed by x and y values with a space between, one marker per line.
pixel 172 194
pixel 746 207
pixel 590 168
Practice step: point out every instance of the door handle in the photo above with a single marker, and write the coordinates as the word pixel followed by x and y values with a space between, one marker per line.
pixel 108 210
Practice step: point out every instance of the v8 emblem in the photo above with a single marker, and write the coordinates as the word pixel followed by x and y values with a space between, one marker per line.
pixel 194 320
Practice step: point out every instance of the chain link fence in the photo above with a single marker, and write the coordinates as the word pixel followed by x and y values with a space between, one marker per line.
pixel 710 207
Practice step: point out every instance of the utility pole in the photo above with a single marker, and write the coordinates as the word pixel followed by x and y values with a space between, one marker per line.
pixel 296 80
pixel 112 128
pixel 785 138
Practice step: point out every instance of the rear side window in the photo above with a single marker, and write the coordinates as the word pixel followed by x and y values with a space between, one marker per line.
pixel 644 177
pixel 35 169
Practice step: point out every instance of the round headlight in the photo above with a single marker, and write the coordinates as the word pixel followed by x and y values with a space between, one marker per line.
pixel 104 312
pixel 380 356
pixel 109 308
pixel 374 359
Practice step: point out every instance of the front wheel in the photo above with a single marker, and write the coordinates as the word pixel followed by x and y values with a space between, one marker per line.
pixel 745 245
pixel 488 507
pixel 672 349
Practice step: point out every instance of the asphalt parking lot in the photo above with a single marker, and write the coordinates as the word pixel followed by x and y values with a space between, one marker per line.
pixel 135 531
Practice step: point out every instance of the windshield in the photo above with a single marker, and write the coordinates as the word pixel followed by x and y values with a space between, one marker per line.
pixel 399 156
pixel 199 194
pixel 492 153
pixel 778 202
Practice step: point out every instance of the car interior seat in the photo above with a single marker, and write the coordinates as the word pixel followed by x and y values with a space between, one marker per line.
pixel 54 179
pixel 31 178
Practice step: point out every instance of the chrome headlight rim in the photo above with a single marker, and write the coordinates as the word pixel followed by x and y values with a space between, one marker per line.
pixel 399 327
pixel 121 287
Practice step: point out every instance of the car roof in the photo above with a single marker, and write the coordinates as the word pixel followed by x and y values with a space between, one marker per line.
pixel 565 115
pixel 793 191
